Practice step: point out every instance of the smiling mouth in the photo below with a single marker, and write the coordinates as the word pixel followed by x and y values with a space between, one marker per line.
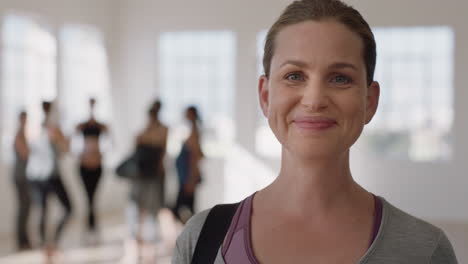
pixel 315 123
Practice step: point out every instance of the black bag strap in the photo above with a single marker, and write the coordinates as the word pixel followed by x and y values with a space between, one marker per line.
pixel 213 232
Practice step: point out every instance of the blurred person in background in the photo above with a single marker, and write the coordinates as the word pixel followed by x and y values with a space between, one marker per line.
pixel 44 174
pixel 147 187
pixel 22 187
pixel 91 161
pixel 188 167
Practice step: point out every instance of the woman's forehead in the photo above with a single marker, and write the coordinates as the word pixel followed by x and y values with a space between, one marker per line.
pixel 325 41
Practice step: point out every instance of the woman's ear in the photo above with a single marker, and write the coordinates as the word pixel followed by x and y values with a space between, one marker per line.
pixel 263 94
pixel 372 100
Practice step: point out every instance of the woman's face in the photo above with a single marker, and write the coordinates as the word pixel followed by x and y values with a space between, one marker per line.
pixel 316 98
pixel 92 104
pixel 190 115
pixel 23 119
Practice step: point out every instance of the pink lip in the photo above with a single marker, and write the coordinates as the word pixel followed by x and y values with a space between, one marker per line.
pixel 314 123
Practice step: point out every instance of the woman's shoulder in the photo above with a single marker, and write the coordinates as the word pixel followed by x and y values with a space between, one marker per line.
pixel 401 221
pixel 407 236
pixel 187 240
pixel 164 127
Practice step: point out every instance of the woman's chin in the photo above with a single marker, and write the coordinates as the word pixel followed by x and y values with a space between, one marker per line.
pixel 313 152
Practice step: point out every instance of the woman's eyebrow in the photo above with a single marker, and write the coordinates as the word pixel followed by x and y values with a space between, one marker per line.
pixel 336 65
pixel 294 62
pixel 342 65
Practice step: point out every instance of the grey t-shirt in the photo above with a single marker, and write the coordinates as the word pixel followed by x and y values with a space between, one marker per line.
pixel 402 239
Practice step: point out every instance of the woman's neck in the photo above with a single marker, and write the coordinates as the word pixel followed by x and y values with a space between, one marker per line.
pixel 154 123
pixel 315 185
pixel 194 130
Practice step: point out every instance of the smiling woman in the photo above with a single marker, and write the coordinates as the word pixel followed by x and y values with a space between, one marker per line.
pixel 317 93
pixel 317 79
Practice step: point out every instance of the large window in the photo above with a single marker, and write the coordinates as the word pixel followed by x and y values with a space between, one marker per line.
pixel 199 68
pixel 29 74
pixel 85 74
pixel 415 115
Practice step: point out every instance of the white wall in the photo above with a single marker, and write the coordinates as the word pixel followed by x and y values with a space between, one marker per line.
pixel 434 191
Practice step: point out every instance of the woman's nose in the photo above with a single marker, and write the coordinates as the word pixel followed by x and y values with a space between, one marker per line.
pixel 315 96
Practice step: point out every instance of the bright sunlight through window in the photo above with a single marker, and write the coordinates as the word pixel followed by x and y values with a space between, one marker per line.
pixel 198 68
pixel 415 115
pixel 29 75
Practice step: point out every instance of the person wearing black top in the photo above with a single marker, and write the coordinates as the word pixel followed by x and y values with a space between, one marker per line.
pixel 91 160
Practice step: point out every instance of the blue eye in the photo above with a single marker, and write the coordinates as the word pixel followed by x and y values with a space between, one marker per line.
pixel 341 79
pixel 294 77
